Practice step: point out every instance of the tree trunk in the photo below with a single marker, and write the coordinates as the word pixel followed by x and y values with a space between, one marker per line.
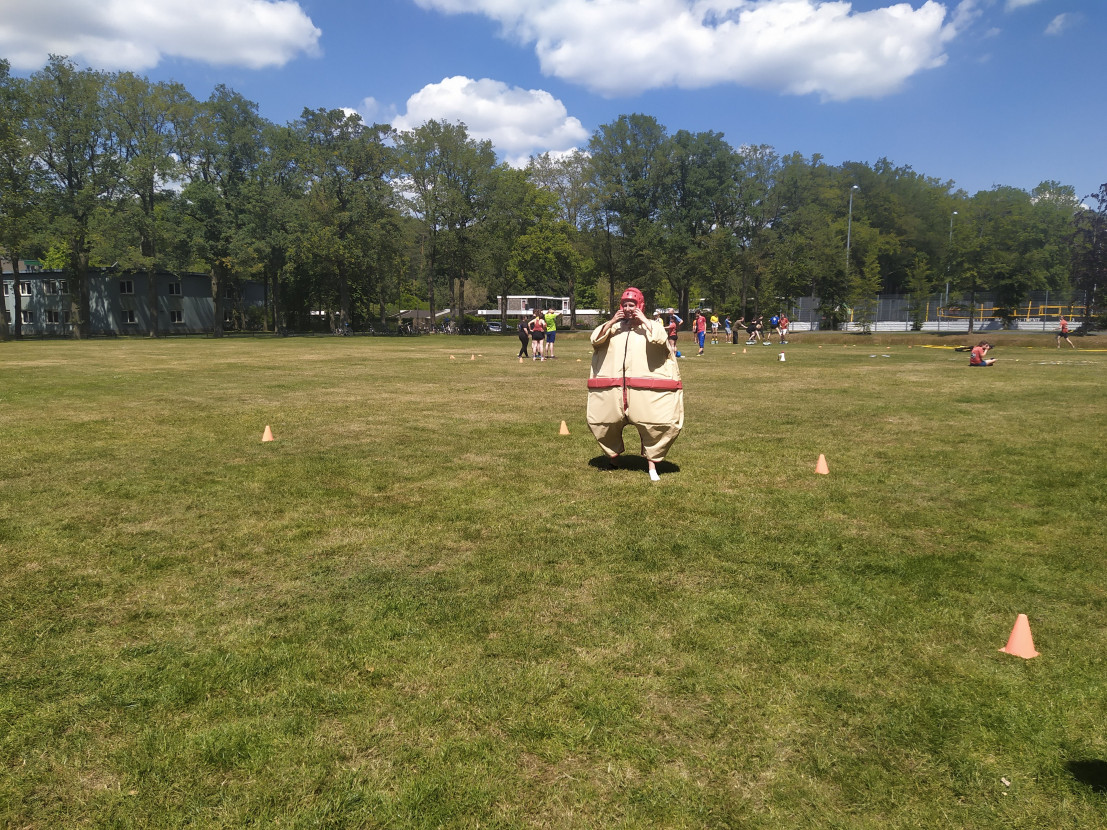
pixel 343 299
pixel 459 312
pixel 152 301
pixel 572 284
pixel 82 323
pixel 17 309
pixel 218 279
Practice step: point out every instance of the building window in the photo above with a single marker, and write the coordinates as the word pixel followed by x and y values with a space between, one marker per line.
pixel 176 316
pixel 174 289
pixel 7 289
pixel 27 317
pixel 53 316
pixel 229 293
pixel 50 287
pixel 126 287
pixel 66 318
pixel 129 316
pixel 24 289
pixel 7 317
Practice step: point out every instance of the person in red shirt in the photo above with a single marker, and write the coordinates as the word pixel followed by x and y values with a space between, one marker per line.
pixel 978 356
pixel 701 331
pixel 1063 334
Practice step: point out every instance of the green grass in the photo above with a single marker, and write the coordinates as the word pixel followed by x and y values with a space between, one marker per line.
pixel 421 606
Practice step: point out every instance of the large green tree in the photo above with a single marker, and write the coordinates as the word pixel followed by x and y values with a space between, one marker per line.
pixel 146 118
pixel 19 187
pixel 1089 252
pixel 224 151
pixel 697 203
pixel 628 162
pixel 348 207
pixel 79 155
pixel 446 178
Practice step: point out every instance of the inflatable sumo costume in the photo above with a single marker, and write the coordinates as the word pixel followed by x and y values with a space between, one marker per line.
pixel 635 380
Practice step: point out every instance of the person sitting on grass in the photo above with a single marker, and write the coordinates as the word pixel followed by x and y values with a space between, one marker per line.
pixel 978 357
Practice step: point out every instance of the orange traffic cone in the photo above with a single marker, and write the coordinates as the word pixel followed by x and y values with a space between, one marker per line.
pixel 743 351
pixel 520 360
pixel 564 429
pixel 1020 643
pixel 267 435
pixel 820 466
pixel 472 357
pixel 452 357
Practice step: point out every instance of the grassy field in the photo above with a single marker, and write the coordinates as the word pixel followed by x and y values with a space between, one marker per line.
pixel 421 606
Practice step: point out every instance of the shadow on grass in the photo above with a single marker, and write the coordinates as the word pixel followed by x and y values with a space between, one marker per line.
pixel 1090 772
pixel 632 463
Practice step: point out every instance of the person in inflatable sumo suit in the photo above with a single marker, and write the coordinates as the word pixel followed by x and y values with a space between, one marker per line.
pixel 634 380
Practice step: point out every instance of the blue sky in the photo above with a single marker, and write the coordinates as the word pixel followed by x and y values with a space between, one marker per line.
pixel 980 92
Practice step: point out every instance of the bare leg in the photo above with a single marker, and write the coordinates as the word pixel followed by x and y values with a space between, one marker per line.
pixel 653 471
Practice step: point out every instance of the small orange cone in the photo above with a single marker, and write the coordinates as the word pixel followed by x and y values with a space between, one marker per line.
pixel 267 435
pixel 820 466
pixel 1020 643
pixel 520 360
pixel 743 351
pixel 452 357
pixel 564 429
pixel 472 357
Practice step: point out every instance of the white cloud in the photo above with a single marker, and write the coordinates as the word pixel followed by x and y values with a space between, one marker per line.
pixel 623 47
pixel 373 111
pixel 1019 4
pixel 1059 24
pixel 137 34
pixel 517 121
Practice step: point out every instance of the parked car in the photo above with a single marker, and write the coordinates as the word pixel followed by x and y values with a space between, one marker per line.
pixel 495 326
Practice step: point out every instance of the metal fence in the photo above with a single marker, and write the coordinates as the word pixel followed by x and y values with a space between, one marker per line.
pixel 1040 311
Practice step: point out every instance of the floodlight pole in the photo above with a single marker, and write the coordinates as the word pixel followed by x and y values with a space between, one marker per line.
pixel 949 255
pixel 849 226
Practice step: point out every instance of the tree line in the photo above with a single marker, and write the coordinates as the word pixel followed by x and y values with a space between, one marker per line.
pixel 110 169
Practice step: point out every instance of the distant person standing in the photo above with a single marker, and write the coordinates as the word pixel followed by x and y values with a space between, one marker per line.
pixel 538 335
pixel 524 337
pixel 783 326
pixel 551 331
pixel 672 330
pixel 1063 334
pixel 728 327
pixel 700 327
pixel 714 329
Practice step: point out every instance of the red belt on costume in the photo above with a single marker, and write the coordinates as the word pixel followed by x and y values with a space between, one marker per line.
pixel 653 384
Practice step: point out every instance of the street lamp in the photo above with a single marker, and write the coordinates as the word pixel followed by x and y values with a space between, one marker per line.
pixel 849 226
pixel 949 255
